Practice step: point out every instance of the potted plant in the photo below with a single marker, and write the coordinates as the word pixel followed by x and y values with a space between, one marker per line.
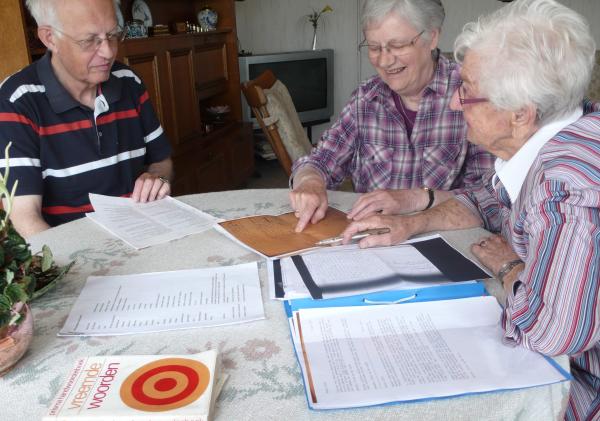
pixel 23 276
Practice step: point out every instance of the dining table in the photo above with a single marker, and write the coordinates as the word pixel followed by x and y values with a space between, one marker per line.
pixel 264 380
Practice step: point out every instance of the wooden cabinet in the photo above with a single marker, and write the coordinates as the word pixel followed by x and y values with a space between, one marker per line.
pixel 184 74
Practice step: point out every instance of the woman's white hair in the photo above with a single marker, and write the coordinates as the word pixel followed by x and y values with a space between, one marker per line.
pixel 535 52
pixel 44 11
pixel 424 15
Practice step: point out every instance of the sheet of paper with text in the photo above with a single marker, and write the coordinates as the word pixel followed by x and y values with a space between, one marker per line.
pixel 152 302
pixel 361 356
pixel 146 224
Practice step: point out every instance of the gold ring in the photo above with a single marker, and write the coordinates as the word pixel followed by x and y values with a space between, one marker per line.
pixel 163 179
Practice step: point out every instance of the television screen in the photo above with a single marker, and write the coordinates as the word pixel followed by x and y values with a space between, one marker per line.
pixel 306 80
pixel 308 76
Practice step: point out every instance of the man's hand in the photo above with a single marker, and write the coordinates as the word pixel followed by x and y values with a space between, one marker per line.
pixel 401 228
pixel 155 183
pixel 493 252
pixel 149 187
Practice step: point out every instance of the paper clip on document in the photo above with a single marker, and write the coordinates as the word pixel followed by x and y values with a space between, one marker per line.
pixel 401 300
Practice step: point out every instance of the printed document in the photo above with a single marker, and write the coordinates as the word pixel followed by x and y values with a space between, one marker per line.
pixel 370 355
pixel 152 302
pixel 348 270
pixel 146 224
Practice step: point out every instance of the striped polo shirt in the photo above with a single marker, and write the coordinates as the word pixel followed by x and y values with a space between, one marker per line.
pixel 63 150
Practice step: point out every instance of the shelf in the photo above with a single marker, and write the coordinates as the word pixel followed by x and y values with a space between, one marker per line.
pixel 182 35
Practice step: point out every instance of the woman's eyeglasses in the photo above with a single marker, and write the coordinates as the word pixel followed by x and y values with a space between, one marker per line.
pixel 395 48
pixel 465 101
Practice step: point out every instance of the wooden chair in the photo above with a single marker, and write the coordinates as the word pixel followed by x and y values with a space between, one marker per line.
pixel 274 110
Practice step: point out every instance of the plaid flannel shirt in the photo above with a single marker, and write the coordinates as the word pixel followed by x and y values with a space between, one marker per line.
pixel 369 143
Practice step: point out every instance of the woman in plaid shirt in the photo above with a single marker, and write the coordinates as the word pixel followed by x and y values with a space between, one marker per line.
pixel 397 137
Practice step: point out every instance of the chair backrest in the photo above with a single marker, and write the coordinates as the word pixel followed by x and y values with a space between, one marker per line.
pixel 274 110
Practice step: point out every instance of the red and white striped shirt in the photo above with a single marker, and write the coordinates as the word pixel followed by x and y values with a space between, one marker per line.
pixel 63 150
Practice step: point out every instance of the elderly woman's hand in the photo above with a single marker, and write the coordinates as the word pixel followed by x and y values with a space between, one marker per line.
pixel 493 252
pixel 386 202
pixel 399 226
pixel 309 201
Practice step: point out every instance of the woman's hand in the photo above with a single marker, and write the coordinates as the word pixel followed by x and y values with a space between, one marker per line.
pixel 388 202
pixel 400 230
pixel 493 252
pixel 309 201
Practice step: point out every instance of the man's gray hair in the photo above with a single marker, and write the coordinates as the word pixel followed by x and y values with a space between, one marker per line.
pixel 531 52
pixel 424 15
pixel 44 11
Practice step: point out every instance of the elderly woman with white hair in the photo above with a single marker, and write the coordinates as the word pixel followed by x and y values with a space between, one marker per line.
pixel 525 70
pixel 397 137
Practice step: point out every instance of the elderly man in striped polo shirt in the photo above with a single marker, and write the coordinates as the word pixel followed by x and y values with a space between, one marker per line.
pixel 525 69
pixel 79 123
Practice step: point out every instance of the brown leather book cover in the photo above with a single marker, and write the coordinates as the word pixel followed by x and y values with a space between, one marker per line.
pixel 275 235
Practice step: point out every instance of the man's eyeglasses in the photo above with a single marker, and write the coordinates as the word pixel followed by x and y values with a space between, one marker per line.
pixel 93 43
pixel 395 48
pixel 465 101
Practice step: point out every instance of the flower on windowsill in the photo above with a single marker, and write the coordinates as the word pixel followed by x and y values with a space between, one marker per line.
pixel 314 17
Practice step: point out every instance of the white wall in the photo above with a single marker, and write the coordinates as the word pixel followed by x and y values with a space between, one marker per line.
pixel 267 26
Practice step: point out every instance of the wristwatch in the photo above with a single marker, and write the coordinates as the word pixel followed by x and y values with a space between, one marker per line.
pixel 506 268
pixel 430 192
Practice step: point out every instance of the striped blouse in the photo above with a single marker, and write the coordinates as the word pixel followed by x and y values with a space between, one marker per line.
pixel 554 227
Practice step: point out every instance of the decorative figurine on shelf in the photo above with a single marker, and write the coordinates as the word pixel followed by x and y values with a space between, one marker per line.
pixel 136 29
pixel 313 18
pixel 207 18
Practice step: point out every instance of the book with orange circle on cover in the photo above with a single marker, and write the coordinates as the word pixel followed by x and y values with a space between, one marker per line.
pixel 140 387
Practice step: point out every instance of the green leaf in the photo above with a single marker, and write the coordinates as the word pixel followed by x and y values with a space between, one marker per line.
pixel 5 304
pixel 16 319
pixel 16 293
pixel 10 275
pixel 46 258
pixel 5 317
pixel 29 283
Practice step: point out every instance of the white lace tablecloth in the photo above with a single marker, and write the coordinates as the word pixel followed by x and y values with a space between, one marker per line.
pixel 264 382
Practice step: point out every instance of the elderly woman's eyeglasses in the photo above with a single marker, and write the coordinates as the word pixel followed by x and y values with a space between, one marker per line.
pixel 94 42
pixel 465 101
pixel 395 48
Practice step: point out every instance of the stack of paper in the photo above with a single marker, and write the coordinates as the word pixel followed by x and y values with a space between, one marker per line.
pixel 146 224
pixel 371 355
pixel 348 270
